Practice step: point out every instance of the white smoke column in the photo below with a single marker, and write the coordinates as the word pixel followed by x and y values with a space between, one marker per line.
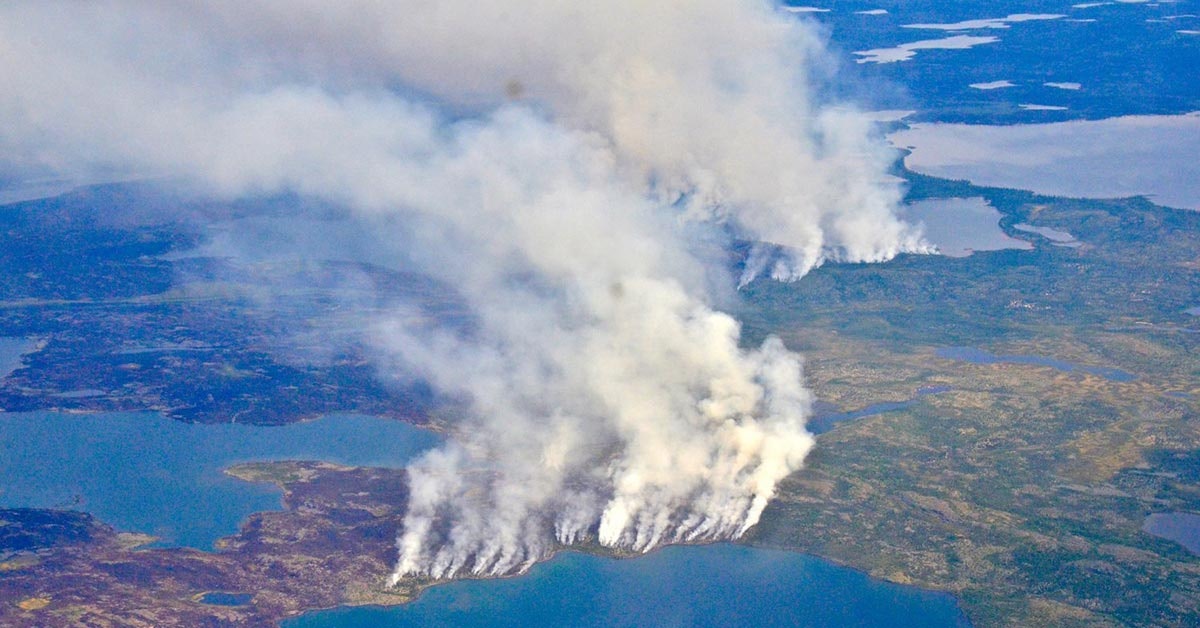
pixel 708 98
pixel 607 399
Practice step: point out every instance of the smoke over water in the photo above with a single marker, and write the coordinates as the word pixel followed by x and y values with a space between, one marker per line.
pixel 566 167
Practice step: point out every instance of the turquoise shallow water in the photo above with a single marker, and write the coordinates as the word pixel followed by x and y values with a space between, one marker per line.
pixel 145 473
pixel 696 586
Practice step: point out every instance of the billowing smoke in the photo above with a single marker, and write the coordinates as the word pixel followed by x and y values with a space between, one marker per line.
pixel 567 167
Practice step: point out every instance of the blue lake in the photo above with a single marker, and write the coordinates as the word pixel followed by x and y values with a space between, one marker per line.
pixel 141 472
pixel 826 417
pixel 224 598
pixel 979 356
pixel 1059 238
pixel 698 586
pixel 961 226
pixel 11 350
pixel 1181 527
pixel 1115 157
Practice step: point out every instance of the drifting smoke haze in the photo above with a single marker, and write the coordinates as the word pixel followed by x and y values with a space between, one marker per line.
pixel 559 164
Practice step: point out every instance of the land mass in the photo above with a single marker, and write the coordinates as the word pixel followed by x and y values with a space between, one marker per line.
pixel 1021 486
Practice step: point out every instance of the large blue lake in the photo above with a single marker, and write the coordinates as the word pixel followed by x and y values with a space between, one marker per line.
pixel 961 226
pixel 698 586
pixel 142 472
pixel 1181 527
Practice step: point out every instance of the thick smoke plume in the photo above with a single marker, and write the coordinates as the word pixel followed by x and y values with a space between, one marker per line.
pixel 566 167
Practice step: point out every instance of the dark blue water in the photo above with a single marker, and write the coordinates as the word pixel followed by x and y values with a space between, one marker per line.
pixel 826 418
pixel 1181 527
pixel 1125 63
pixel 222 598
pixel 717 585
pixel 979 356
pixel 1194 311
pixel 824 423
pixel 144 473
